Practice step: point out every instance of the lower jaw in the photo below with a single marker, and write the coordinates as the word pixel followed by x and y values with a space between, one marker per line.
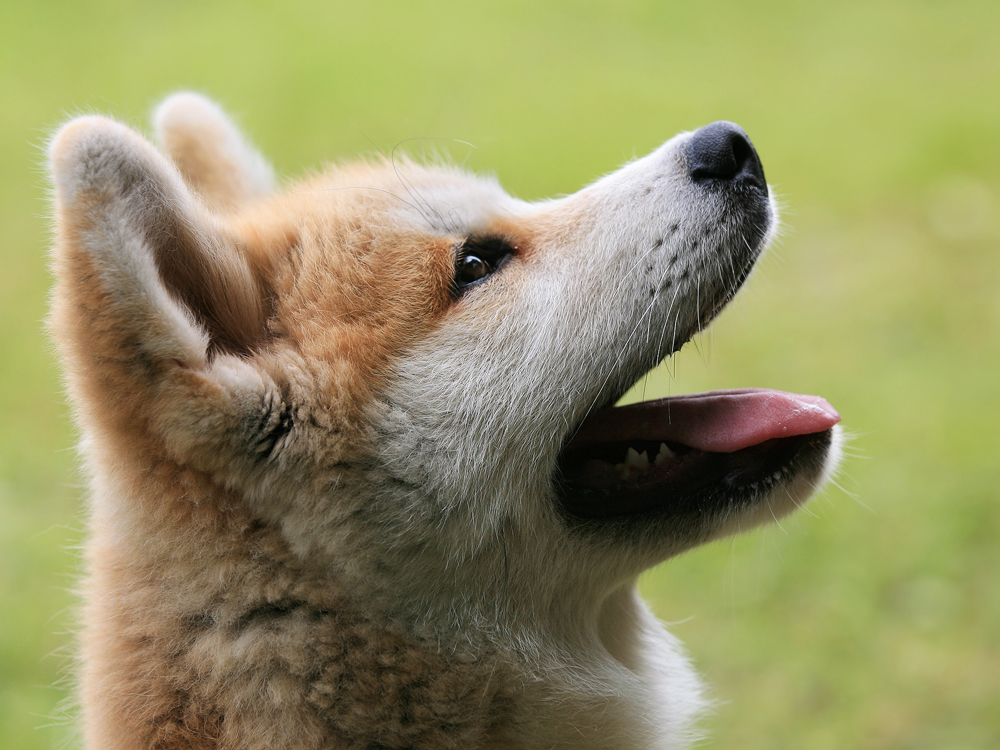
pixel 694 484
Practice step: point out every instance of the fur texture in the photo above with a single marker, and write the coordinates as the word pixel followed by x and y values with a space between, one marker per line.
pixel 322 510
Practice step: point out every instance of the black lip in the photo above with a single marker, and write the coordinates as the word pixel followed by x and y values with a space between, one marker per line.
pixel 697 484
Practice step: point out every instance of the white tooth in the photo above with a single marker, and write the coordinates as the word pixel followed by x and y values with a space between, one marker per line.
pixel 622 470
pixel 636 459
pixel 664 454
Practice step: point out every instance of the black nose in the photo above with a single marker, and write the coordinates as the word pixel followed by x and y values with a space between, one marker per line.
pixel 722 151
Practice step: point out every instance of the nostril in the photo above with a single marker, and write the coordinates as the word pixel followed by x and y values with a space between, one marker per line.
pixel 722 151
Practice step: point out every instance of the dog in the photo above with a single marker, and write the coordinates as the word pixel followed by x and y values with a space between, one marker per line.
pixel 357 480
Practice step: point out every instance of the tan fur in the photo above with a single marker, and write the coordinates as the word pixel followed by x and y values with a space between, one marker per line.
pixel 144 605
pixel 284 552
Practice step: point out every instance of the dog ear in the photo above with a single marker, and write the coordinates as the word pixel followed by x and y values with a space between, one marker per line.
pixel 160 256
pixel 211 154
pixel 155 307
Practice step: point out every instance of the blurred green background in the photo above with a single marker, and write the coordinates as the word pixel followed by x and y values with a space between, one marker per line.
pixel 872 619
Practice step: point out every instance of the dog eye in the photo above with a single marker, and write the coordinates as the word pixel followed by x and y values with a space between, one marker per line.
pixel 472 268
pixel 478 258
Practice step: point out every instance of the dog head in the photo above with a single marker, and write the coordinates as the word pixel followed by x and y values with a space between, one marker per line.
pixel 408 358
pixel 410 374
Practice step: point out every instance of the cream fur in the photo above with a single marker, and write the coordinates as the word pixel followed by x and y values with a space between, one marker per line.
pixel 322 512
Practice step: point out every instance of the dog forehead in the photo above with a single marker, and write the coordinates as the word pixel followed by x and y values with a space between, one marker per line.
pixel 441 199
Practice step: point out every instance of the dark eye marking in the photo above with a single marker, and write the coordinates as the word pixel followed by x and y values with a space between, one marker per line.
pixel 478 258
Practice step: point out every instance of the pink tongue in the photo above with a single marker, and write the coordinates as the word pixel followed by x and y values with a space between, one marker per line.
pixel 719 422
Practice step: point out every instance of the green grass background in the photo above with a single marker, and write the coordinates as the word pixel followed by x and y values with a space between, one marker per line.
pixel 872 619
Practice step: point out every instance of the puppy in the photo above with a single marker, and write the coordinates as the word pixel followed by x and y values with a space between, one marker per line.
pixel 357 477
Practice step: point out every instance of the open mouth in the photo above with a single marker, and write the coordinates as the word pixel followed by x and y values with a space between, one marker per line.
pixel 684 453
